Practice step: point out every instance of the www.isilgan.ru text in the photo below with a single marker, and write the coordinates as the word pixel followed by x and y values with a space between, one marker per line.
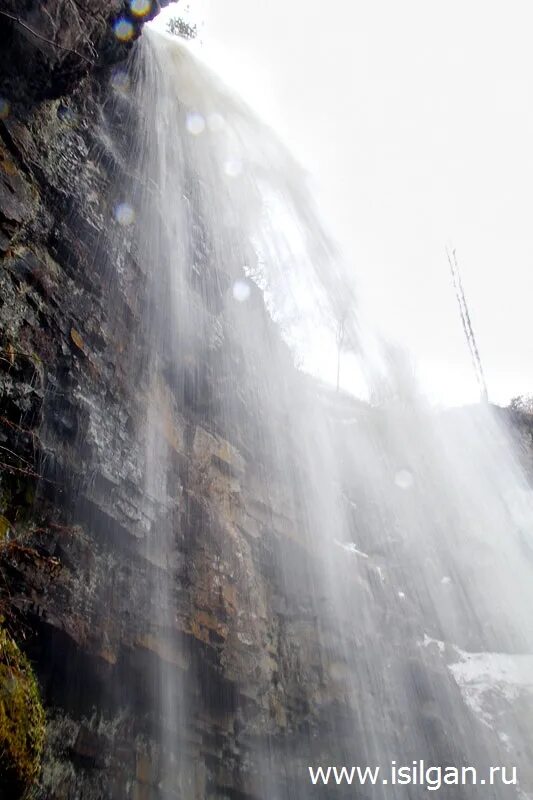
pixel 415 774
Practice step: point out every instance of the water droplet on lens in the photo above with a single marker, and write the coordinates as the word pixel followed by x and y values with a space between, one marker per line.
pixel 140 8
pixel 120 80
pixel 195 123
pixel 241 291
pixel 66 114
pixel 123 29
pixel 403 479
pixel 233 167
pixel 5 108
pixel 124 214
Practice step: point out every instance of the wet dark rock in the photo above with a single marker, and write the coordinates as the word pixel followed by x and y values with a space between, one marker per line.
pixel 53 44
pixel 15 196
pixel 89 749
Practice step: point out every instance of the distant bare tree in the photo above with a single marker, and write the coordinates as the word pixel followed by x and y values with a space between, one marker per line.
pixel 467 324
pixel 522 403
pixel 178 27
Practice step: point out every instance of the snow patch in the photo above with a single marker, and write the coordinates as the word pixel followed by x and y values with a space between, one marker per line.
pixel 351 547
pixel 429 641
pixel 481 676
pixel 489 683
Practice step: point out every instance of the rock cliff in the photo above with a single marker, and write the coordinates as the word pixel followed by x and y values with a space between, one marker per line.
pixel 78 590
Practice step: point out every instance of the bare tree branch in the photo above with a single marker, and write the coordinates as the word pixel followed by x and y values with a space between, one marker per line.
pixel 26 27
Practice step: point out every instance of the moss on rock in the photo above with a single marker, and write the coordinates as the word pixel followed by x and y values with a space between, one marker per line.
pixel 4 527
pixel 22 720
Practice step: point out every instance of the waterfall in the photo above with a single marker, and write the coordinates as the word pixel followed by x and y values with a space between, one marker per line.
pixel 405 563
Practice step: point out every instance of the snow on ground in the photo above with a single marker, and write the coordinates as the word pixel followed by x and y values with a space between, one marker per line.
pixel 483 677
pixel 491 683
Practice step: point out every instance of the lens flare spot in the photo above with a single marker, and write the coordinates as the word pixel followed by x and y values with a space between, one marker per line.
pixel 403 479
pixel 232 167
pixel 195 123
pixel 120 80
pixel 140 8
pixel 5 108
pixel 123 29
pixel 215 122
pixel 124 214
pixel 241 291
pixel 66 114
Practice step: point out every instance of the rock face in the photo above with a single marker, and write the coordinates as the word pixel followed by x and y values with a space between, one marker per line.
pixel 48 47
pixel 78 585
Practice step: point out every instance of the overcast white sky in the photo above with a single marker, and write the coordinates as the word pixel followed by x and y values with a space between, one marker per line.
pixel 415 120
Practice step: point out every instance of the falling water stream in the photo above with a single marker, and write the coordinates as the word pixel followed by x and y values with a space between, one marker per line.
pixel 414 516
